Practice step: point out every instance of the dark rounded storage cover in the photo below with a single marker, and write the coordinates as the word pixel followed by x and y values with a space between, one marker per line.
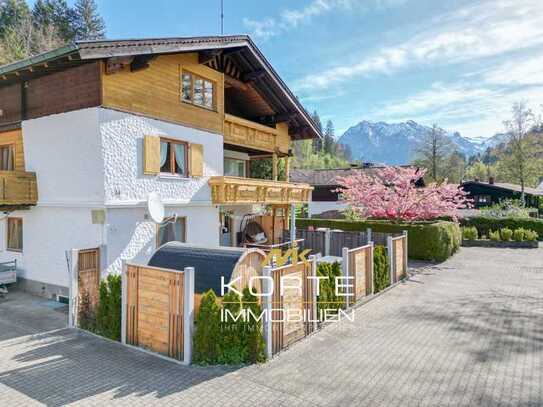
pixel 209 263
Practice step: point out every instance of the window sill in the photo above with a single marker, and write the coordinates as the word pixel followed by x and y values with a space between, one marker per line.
pixel 14 250
pixel 163 175
pixel 209 109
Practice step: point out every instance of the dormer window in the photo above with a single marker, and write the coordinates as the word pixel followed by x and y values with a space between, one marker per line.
pixel 197 90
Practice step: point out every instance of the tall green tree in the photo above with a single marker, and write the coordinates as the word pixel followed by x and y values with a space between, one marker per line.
pixel 11 13
pixel 518 161
pixel 89 25
pixel 317 142
pixel 433 153
pixel 329 143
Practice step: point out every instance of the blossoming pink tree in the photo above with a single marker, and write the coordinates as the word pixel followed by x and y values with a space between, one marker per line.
pixel 391 193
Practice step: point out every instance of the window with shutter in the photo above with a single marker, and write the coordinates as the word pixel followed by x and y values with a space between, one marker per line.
pixel 196 160
pixel 15 234
pixel 151 155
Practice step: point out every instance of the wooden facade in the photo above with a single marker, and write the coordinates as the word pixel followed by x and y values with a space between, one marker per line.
pixel 14 138
pixel 235 190
pixel 18 189
pixel 156 92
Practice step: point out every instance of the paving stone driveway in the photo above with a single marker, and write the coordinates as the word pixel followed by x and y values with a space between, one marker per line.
pixel 467 332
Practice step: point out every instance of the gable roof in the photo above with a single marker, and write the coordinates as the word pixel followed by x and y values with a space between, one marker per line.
pixel 506 186
pixel 249 55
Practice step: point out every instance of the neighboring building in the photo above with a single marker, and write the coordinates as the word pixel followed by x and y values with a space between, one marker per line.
pixel 490 193
pixel 325 197
pixel 88 131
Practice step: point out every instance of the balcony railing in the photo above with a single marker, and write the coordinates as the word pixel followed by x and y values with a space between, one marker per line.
pixel 235 190
pixel 18 188
pixel 242 132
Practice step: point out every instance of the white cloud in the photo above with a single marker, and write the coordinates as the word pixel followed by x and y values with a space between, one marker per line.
pixel 475 111
pixel 524 71
pixel 486 29
pixel 293 18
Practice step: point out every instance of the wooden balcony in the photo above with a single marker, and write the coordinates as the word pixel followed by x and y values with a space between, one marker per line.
pixel 245 133
pixel 234 190
pixel 18 189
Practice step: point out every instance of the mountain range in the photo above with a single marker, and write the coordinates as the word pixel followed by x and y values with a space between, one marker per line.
pixel 397 143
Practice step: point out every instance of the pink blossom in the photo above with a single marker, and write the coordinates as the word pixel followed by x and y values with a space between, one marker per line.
pixel 391 193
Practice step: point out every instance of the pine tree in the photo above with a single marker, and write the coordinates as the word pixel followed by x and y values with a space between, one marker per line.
pixel 317 142
pixel 11 13
pixel 89 24
pixel 329 138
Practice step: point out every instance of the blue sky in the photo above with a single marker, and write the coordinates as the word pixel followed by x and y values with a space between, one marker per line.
pixel 460 64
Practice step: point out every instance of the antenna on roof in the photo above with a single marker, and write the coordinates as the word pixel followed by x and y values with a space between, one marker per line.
pixel 222 17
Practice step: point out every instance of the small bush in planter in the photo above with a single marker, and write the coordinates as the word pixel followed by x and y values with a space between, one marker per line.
pixel 470 233
pixel 494 235
pixel 518 235
pixel 506 234
pixel 530 235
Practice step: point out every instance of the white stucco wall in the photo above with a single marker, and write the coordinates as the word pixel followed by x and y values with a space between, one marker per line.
pixel 122 146
pixel 65 152
pixel 47 233
pixel 132 236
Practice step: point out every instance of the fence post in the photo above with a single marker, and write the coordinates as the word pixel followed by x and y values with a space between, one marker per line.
pixel 405 254
pixel 188 314
pixel 372 248
pixel 390 255
pixel 327 234
pixel 368 233
pixel 267 308
pixel 124 286
pixel 73 299
pixel 292 223
pixel 314 285
pixel 345 271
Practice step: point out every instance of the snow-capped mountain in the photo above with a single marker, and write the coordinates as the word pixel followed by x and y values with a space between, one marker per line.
pixel 396 143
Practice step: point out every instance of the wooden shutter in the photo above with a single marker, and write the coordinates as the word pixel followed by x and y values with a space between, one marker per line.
pixel 151 155
pixel 196 153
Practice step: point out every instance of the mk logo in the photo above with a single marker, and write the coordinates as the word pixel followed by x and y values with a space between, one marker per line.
pixel 279 258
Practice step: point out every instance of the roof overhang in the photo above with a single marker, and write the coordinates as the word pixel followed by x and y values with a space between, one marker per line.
pixel 87 51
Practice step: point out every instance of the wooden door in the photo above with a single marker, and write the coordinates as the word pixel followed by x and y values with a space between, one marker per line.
pixel 88 267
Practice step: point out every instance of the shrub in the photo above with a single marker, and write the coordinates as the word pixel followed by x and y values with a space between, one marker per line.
pixel 506 234
pixel 327 299
pixel 252 338
pixel 435 241
pixel 381 276
pixel 518 235
pixel 108 314
pixel 530 235
pixel 469 233
pixel 206 340
pixel 86 316
pixel 494 235
pixel 235 340
pixel 485 224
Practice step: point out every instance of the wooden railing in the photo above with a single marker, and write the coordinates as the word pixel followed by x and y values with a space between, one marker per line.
pixel 242 132
pixel 18 188
pixel 235 190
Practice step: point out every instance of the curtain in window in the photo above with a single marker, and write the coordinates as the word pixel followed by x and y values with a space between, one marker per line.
pixel 6 158
pixel 180 158
pixel 163 153
pixel 15 234
pixel 172 232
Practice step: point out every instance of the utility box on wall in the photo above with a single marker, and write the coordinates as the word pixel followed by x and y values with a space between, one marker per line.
pixel 98 216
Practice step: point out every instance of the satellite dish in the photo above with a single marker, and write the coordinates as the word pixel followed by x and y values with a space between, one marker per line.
pixel 155 207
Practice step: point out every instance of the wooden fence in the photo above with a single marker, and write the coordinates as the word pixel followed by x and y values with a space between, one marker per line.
pixel 293 310
pixel 397 255
pixel 358 265
pixel 158 310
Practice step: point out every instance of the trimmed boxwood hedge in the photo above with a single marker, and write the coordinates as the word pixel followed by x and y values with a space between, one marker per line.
pixel 485 224
pixel 436 241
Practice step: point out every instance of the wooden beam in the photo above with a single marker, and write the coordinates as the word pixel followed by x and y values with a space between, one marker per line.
pixel 253 76
pixel 275 169
pixel 235 83
pixel 116 64
pixel 207 56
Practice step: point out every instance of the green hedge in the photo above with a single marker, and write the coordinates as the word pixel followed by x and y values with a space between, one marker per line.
pixel 381 276
pixel 485 224
pixel 435 241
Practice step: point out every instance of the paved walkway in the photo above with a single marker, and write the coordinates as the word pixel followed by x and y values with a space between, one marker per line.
pixel 469 332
